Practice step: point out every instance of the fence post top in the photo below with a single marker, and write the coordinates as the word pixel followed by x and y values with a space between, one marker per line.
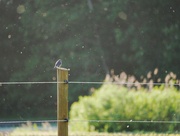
pixel 66 69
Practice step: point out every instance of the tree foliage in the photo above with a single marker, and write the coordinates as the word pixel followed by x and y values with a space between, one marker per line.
pixel 91 37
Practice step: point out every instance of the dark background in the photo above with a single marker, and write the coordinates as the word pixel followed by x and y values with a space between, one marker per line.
pixel 91 37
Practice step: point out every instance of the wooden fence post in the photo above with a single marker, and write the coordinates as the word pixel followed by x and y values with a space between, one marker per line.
pixel 62 101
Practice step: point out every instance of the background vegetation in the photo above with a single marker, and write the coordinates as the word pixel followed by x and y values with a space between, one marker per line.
pixel 115 103
pixel 90 36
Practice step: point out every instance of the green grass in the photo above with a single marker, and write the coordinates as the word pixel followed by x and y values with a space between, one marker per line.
pixel 29 132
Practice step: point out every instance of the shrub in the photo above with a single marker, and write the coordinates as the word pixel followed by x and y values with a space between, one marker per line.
pixel 112 102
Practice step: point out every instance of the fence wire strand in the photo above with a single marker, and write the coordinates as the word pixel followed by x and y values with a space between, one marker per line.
pixel 93 121
pixel 126 121
pixel 33 121
pixel 81 82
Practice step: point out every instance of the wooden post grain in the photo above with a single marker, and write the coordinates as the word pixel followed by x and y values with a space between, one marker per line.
pixel 62 101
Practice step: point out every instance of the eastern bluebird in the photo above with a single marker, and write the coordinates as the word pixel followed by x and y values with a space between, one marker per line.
pixel 58 64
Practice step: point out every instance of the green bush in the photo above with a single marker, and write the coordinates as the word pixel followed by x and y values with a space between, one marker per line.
pixel 112 102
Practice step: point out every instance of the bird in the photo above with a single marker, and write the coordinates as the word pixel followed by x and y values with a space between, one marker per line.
pixel 58 63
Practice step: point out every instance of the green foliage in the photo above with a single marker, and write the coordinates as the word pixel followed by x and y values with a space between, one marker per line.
pixel 112 102
pixel 131 36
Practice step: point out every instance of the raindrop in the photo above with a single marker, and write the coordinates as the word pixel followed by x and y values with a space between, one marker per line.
pixel 54 78
pixel 105 9
pixel 21 9
pixel 123 15
pixel 21 52
pixel 9 36
pixel 44 14
pixel 131 120
pixel 127 126
pixel 82 46
pixel 50 96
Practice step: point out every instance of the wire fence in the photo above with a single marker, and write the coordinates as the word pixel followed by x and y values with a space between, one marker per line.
pixel 81 82
pixel 92 121
pixel 95 121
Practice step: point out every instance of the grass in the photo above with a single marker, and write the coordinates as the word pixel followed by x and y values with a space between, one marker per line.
pixel 30 129
pixel 28 132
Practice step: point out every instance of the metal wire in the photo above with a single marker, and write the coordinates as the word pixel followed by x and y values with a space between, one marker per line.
pixel 121 83
pixel 23 83
pixel 33 121
pixel 126 121
pixel 95 121
pixel 81 82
